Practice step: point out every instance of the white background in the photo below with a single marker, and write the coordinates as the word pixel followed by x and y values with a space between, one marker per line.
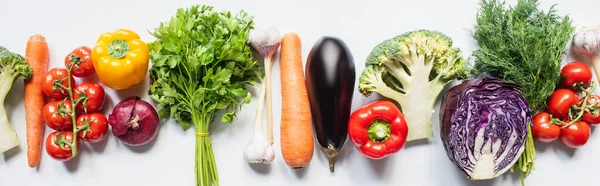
pixel 169 160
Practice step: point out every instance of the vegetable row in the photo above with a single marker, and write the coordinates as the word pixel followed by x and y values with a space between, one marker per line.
pixel 202 64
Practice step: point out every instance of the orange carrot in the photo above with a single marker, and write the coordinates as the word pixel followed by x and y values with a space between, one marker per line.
pixel 36 55
pixel 297 142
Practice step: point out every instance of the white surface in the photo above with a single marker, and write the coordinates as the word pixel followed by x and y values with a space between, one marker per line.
pixel 169 160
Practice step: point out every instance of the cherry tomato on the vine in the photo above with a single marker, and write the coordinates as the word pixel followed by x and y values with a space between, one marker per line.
pixel 576 73
pixel 56 119
pixel 560 103
pixel 81 60
pixel 92 96
pixel 542 129
pixel 97 127
pixel 58 145
pixel 51 87
pixel 592 112
pixel 576 134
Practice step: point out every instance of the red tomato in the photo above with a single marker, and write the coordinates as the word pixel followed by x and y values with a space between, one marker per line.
pixel 82 62
pixel 592 116
pixel 560 103
pixel 93 97
pixel 56 120
pixel 53 145
pixel 97 127
pixel 58 76
pixel 542 129
pixel 576 134
pixel 574 73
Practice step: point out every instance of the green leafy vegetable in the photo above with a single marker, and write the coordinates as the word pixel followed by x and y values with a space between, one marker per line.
pixel 202 65
pixel 524 45
pixel 12 66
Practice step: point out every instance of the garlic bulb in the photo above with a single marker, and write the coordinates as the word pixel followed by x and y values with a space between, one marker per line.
pixel 586 42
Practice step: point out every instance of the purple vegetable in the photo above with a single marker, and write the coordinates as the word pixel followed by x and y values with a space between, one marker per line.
pixel 484 126
pixel 134 121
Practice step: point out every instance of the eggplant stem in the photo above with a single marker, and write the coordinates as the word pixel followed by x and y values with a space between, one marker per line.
pixel 331 154
pixel 331 163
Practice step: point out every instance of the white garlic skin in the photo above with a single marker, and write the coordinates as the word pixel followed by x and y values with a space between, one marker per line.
pixel 586 42
pixel 259 150
pixel 266 41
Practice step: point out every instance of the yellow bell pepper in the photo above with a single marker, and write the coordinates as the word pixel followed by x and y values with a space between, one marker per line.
pixel 120 59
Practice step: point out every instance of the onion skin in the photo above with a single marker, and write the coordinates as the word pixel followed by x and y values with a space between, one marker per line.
pixel 123 121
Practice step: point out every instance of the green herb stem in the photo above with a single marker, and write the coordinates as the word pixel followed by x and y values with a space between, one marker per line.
pixel 205 165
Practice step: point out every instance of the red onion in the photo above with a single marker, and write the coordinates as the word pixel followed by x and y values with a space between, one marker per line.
pixel 134 121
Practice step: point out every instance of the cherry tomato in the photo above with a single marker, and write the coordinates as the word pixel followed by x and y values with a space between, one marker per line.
pixel 58 75
pixel 97 127
pixel 56 120
pixel 574 73
pixel 560 103
pixel 53 145
pixel 542 129
pixel 93 97
pixel 82 62
pixel 592 115
pixel 576 134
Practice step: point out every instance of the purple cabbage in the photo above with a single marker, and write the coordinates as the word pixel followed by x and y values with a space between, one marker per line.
pixel 484 126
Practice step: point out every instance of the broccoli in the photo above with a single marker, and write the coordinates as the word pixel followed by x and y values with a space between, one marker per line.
pixel 412 69
pixel 11 66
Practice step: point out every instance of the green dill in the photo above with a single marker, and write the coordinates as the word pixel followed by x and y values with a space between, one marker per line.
pixel 523 45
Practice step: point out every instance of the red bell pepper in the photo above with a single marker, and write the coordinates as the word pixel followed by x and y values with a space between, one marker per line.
pixel 378 129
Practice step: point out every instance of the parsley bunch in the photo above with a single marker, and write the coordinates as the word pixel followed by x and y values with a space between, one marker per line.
pixel 202 65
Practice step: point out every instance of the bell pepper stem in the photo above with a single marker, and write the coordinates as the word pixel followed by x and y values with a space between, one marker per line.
pixel 118 49
pixel 379 131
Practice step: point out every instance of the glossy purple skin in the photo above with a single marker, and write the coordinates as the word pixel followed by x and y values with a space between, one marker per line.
pixel 147 125
pixel 494 106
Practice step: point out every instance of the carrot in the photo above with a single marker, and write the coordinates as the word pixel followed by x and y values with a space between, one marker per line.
pixel 297 142
pixel 36 55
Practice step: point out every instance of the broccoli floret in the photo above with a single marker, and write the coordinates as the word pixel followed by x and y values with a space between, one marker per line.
pixel 12 66
pixel 412 69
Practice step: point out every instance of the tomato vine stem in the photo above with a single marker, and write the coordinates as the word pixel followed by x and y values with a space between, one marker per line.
pixel 73 112
pixel 580 110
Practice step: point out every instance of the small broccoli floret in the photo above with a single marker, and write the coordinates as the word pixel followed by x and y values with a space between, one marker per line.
pixel 412 69
pixel 11 67
pixel 14 64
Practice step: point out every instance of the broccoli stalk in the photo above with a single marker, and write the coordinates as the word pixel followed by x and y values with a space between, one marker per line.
pixel 412 69
pixel 11 67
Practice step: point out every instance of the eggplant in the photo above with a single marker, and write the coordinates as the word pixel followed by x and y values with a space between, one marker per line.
pixel 330 78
